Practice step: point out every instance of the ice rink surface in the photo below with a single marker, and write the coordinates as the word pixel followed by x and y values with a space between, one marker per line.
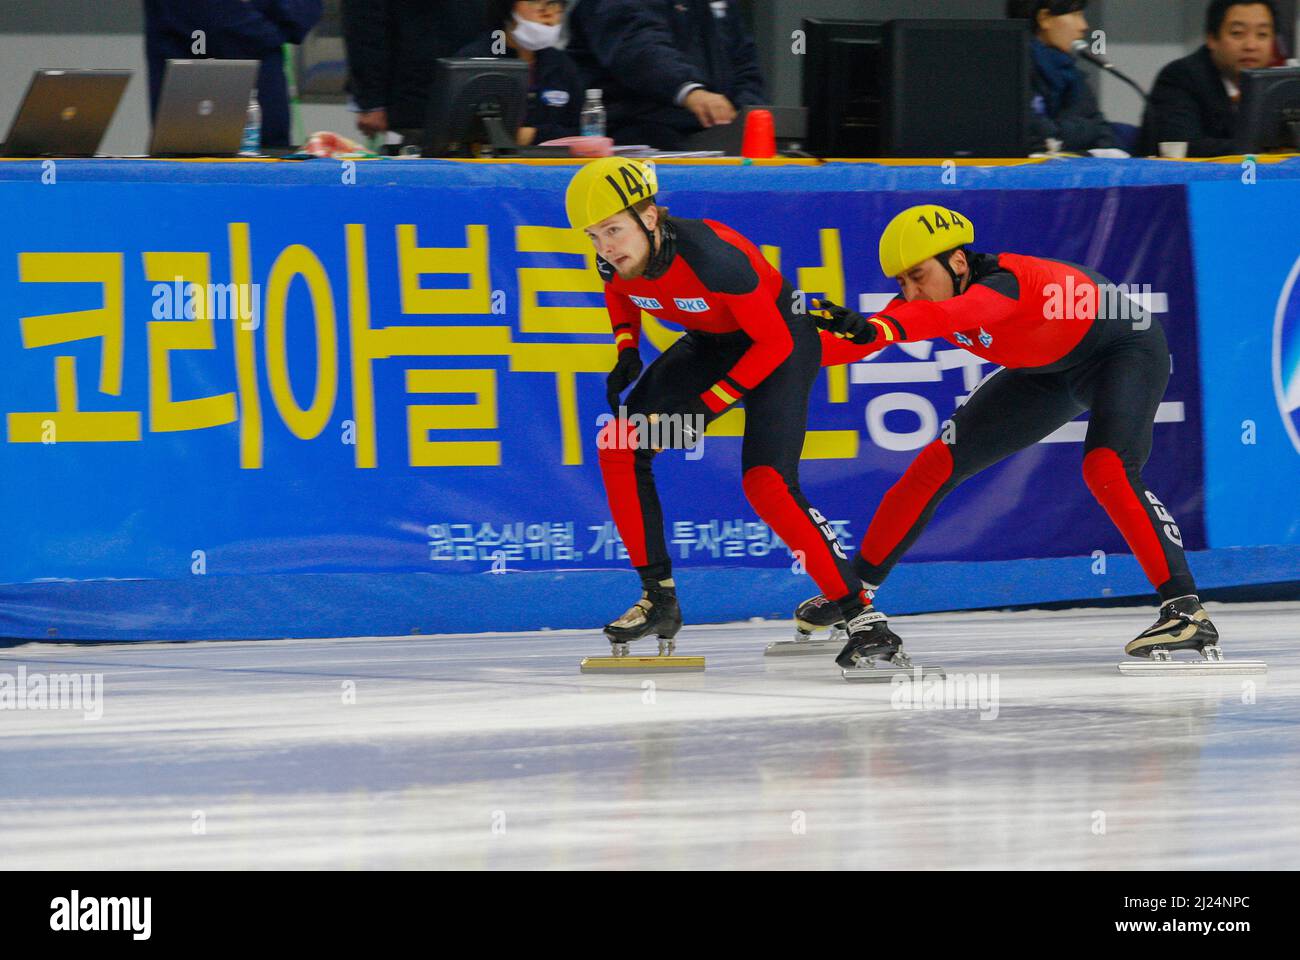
pixel 493 751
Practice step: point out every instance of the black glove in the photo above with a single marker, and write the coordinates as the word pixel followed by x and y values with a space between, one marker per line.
pixel 845 323
pixel 622 376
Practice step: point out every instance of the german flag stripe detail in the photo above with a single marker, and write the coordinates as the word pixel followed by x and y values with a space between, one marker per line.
pixel 624 336
pixel 721 393
pixel 899 332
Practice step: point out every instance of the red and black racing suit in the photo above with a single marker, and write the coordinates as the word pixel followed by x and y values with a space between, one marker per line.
pixel 743 343
pixel 1049 324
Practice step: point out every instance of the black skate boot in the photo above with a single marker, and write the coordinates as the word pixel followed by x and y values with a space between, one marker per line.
pixel 1183 625
pixel 818 613
pixel 871 639
pixel 656 612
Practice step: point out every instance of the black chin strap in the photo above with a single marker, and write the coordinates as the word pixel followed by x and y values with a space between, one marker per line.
pixel 945 261
pixel 661 253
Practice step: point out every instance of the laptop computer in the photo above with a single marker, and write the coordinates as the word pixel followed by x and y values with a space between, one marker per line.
pixel 65 113
pixel 790 125
pixel 202 108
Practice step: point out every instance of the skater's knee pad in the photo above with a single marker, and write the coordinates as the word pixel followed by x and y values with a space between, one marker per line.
pixel 1102 469
pixel 932 468
pixel 616 442
pixel 764 487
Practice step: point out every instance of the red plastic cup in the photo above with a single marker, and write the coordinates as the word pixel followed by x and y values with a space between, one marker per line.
pixel 760 135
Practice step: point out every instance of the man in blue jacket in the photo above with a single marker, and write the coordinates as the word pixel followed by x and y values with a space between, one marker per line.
pixel 231 30
pixel 668 68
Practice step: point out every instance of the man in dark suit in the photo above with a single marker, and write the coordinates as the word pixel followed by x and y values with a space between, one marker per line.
pixel 668 68
pixel 1195 99
pixel 392 46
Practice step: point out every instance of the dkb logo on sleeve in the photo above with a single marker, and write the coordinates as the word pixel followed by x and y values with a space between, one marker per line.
pixel 1286 355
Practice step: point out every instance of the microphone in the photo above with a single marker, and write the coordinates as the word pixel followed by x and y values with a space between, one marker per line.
pixel 1082 48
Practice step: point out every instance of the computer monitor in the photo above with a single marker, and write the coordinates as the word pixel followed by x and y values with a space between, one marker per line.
pixel 1270 110
pixel 956 88
pixel 203 108
pixel 475 108
pixel 843 73
pixel 65 113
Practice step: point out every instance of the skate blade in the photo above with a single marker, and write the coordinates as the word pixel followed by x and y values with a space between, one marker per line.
pixel 620 665
pixel 886 672
pixel 802 648
pixel 806 643
pixel 1187 668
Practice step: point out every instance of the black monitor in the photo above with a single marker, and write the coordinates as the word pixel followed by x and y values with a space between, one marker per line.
pixel 1270 110
pixel 843 70
pixel 475 108
pixel 956 88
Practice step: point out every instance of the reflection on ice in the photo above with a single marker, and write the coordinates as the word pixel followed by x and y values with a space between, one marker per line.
pixel 494 751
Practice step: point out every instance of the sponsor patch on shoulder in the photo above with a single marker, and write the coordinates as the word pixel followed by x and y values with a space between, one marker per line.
pixel 646 303
pixel 696 305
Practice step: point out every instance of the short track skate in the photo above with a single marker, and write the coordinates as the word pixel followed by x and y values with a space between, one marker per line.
pixel 874 653
pixel 812 615
pixel 651 615
pixel 1183 627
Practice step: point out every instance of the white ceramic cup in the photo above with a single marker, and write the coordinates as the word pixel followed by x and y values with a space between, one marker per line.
pixel 1174 149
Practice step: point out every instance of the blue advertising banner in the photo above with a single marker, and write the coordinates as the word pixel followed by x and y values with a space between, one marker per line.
pixel 226 380
pixel 1247 252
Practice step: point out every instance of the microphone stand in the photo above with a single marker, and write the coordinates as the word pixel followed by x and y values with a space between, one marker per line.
pixel 1082 52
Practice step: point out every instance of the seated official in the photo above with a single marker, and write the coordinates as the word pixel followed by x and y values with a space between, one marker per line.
pixel 1195 99
pixel 1064 107
pixel 529 30
pixel 668 68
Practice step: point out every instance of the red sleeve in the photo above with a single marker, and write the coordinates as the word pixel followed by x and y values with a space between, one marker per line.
pixel 625 319
pixel 759 316
pixel 979 306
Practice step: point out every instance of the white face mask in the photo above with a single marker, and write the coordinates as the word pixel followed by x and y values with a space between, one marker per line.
pixel 532 35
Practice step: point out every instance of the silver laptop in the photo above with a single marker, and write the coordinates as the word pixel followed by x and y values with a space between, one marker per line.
pixel 202 108
pixel 65 113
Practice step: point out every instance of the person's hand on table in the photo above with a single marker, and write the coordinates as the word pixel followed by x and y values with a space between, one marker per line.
pixel 709 108
pixel 371 122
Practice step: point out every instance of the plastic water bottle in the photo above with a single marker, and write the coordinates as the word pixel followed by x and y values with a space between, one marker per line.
pixel 593 115
pixel 251 144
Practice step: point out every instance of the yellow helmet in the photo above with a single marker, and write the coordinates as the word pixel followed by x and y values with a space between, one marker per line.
pixel 919 233
pixel 604 187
